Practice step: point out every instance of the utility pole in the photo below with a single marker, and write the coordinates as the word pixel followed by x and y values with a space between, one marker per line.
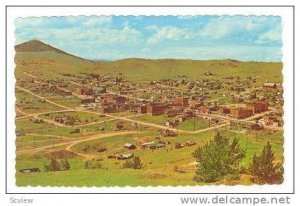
pixel 247 143
pixel 33 141
pixel 256 136
pixel 194 124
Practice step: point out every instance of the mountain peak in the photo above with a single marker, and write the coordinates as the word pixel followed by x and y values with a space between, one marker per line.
pixel 39 46
pixel 35 46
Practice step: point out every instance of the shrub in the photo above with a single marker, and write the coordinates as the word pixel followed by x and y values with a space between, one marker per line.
pixel 179 170
pixel 92 164
pixel 65 164
pixel 135 163
pixel 57 165
pixel 86 164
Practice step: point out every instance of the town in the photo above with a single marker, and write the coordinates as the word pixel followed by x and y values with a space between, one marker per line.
pixel 104 119
pixel 110 125
pixel 215 102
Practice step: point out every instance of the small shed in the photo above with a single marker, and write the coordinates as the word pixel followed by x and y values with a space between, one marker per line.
pixel 130 146
pixel 30 170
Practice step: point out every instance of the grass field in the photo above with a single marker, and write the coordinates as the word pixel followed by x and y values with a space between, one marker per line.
pixel 69 101
pixel 82 117
pixel 193 124
pixel 33 104
pixel 158 165
pixel 35 141
pixel 106 126
pixel 27 124
pixel 161 119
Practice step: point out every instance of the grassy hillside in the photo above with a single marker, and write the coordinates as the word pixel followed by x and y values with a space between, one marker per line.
pixel 146 69
pixel 37 56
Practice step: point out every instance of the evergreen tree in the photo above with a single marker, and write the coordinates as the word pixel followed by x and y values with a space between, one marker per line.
pixel 135 163
pixel 65 165
pixel 218 158
pixel 54 165
pixel 264 169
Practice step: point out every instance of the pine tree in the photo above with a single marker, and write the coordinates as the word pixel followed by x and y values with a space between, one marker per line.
pixel 65 165
pixel 264 169
pixel 54 165
pixel 218 158
pixel 135 163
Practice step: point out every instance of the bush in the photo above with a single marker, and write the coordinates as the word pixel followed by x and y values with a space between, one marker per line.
pixel 86 165
pixel 264 169
pixel 57 165
pixel 92 164
pixel 65 164
pixel 218 158
pixel 135 163
pixel 179 170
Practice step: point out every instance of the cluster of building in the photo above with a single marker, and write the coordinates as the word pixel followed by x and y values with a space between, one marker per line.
pixel 123 156
pixel 52 87
pixel 183 107
pixel 178 105
pixel 67 120
pixel 186 144
pixel 248 111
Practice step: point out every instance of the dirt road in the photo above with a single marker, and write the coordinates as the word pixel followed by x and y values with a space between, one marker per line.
pixel 94 137
pixel 71 143
pixel 40 97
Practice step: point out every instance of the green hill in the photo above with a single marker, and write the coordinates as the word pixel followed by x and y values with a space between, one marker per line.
pixel 36 55
pixel 150 69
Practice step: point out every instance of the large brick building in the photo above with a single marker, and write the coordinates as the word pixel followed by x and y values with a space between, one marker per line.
pixel 88 100
pixel 258 107
pixel 203 110
pixel 113 100
pixel 157 109
pixel 174 111
pixel 241 113
pixel 142 109
pixel 180 101
pixel 86 91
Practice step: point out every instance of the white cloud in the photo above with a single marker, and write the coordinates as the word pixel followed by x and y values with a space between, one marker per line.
pixel 101 36
pixel 271 35
pixel 28 22
pixel 225 26
pixel 166 33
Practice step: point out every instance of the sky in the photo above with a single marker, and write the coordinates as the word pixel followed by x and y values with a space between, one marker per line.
pixel 245 38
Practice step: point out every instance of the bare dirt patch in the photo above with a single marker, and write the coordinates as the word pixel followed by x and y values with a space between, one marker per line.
pixel 60 154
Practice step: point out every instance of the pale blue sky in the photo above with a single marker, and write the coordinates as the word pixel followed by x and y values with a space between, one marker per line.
pixel 248 38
